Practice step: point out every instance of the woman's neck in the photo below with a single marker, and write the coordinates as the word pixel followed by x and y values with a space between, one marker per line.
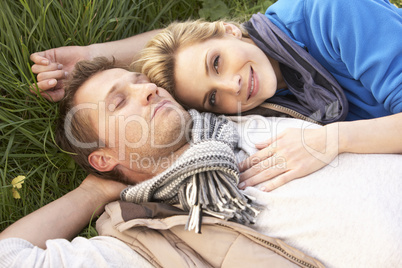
pixel 279 78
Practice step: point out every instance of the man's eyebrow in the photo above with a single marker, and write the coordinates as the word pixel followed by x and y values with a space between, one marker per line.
pixel 136 76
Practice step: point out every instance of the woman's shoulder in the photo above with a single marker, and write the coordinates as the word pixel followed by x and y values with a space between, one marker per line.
pixel 286 11
pixel 296 11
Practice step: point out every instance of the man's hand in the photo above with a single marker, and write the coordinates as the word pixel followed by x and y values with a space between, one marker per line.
pixel 294 153
pixel 107 189
pixel 53 66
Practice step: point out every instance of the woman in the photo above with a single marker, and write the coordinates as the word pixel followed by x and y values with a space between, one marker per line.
pixel 175 60
pixel 223 68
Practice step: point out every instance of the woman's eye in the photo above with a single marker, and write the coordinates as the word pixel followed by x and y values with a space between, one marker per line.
pixel 216 64
pixel 212 98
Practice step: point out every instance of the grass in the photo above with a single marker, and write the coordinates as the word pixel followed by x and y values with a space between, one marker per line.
pixel 27 144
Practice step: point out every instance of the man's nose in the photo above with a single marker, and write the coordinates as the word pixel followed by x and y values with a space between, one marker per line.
pixel 231 85
pixel 145 93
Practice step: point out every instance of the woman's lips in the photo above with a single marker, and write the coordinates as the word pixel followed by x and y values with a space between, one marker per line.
pixel 252 84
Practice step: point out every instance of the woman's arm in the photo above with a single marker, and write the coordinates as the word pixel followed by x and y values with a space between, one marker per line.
pixel 66 216
pixel 295 153
pixel 54 65
pixel 378 135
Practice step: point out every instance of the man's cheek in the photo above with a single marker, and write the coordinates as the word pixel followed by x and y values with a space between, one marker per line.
pixel 133 133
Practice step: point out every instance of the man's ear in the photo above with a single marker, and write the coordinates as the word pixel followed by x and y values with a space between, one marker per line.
pixel 102 161
pixel 232 29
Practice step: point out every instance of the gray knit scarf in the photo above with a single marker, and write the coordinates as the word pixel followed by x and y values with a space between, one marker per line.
pixel 204 178
pixel 315 92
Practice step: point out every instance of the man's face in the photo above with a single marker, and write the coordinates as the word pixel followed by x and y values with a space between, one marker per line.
pixel 139 123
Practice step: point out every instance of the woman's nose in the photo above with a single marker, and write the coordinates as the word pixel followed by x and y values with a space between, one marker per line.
pixel 232 86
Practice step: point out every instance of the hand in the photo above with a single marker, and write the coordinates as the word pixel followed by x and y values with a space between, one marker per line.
pixel 66 216
pixel 294 153
pixel 53 66
pixel 107 190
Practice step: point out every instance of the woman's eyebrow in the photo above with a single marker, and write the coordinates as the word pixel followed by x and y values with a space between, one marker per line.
pixel 206 63
pixel 205 99
pixel 206 73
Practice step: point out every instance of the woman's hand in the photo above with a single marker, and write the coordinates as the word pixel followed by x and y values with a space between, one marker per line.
pixel 53 66
pixel 294 153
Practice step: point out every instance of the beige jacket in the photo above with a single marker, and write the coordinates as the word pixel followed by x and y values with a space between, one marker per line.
pixel 156 231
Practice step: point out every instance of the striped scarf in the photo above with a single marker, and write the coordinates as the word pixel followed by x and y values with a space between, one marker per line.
pixel 204 178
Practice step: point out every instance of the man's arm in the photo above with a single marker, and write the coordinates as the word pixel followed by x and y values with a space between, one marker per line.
pixel 66 216
pixel 54 65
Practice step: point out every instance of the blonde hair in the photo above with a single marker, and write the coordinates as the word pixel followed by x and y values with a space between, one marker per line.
pixel 157 60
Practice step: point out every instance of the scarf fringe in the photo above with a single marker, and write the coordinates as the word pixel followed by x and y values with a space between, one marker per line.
pixel 214 193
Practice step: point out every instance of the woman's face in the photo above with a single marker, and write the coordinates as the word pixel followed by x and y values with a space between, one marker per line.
pixel 225 75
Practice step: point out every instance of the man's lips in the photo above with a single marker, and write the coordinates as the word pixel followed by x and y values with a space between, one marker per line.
pixel 159 106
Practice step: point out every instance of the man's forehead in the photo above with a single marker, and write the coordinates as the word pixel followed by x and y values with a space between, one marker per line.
pixel 98 85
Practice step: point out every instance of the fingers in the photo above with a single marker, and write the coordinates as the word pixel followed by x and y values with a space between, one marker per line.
pixel 271 141
pixel 257 168
pixel 44 85
pixel 47 81
pixel 59 74
pixel 278 181
pixel 40 68
pixel 270 179
pixel 39 58
pixel 264 170
pixel 53 95
pixel 49 89
pixel 50 81
pixel 50 75
pixel 255 159
pixel 264 144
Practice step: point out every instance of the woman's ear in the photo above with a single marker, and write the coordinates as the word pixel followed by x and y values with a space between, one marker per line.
pixel 102 161
pixel 232 29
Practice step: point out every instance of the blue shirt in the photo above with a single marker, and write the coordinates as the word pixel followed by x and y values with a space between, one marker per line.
pixel 358 41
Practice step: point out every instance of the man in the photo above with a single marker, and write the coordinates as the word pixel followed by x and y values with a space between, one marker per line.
pixel 105 116
pixel 318 214
pixel 123 115
pixel 129 99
